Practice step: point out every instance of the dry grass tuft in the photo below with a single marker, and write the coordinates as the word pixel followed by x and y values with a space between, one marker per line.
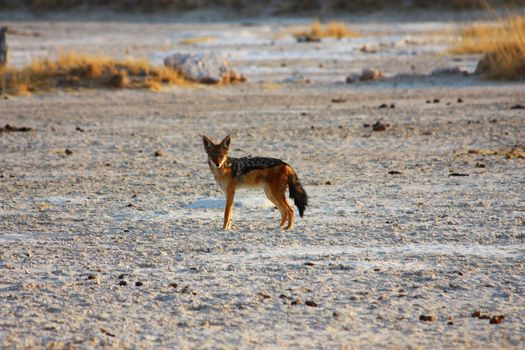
pixel 77 71
pixel 503 44
pixel 331 30
pixel 197 40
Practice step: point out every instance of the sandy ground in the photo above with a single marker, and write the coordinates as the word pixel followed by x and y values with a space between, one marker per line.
pixel 113 247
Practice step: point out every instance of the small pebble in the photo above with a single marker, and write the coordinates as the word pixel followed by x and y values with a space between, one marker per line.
pixel 427 318
pixel 310 303
pixel 296 302
pixel 497 319
pixel 68 152
pixel 139 284
pixel 173 285
pixel 123 283
pixel 460 100
pixel 159 153
pixel 436 100
pixel 309 263
pixel 92 277
pixel 384 105
pixel 328 182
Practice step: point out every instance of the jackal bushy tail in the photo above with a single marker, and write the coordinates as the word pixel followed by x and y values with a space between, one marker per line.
pixel 298 193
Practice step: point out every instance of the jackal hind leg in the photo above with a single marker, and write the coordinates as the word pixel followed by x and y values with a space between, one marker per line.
pixel 282 210
pixel 281 202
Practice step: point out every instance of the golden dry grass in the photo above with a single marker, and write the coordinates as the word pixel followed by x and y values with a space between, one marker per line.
pixel 197 40
pixel 77 71
pixel 331 30
pixel 503 44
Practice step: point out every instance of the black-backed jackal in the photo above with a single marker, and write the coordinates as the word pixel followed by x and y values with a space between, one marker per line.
pixel 271 174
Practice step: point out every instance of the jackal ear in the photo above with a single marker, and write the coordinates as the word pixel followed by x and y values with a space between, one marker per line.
pixel 208 144
pixel 226 142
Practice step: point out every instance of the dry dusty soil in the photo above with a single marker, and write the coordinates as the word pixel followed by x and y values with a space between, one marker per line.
pixel 105 245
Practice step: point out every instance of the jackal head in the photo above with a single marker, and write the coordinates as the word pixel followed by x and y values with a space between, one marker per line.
pixel 217 154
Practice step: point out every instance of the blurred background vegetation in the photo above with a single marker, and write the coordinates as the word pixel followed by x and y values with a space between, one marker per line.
pixel 277 7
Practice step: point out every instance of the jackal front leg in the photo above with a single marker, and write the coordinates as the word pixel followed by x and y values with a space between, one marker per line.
pixel 230 193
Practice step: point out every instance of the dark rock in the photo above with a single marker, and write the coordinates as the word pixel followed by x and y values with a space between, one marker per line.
pixel 394 172
pixel 378 126
pixel 92 277
pixel 384 105
pixel 476 314
pixel 497 319
pixel 458 174
pixel 139 284
pixel 173 285
pixel 460 100
pixel 68 152
pixel 366 125
pixel 392 105
pixel 329 183
pixel 296 302
pixel 9 128
pixel 436 100
pixel 518 107
pixel 79 129
pixel 309 263
pixel 310 303
pixel 339 100
pixel 480 165
pixel 159 153
pixel 307 38
pixel 427 318
pixel 123 283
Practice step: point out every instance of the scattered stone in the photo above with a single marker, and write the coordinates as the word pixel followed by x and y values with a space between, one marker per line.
pixel 366 125
pixel 264 296
pixel 476 314
pixel 427 318
pixel 378 126
pixel 92 277
pixel 68 152
pixel 296 302
pixel 173 285
pixel 339 100
pixel 336 314
pixel 309 263
pixel 436 100
pixel 371 74
pixel 518 107
pixel 329 183
pixel 377 269
pixel 394 172
pixel 9 128
pixel 458 174
pixel 121 276
pixel 139 284
pixel 284 296
pixel 79 129
pixel 480 165
pixel 384 105
pixel 392 105
pixel 159 153
pixel 450 323
pixel 188 290
pixel 209 68
pixel 123 283
pixel 449 71
pixel 352 78
pixel 310 303
pixel 307 38
pixel 497 319
pixel 484 317
pixel 428 102
pixel 460 100
pixel 493 121
pixel 106 332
